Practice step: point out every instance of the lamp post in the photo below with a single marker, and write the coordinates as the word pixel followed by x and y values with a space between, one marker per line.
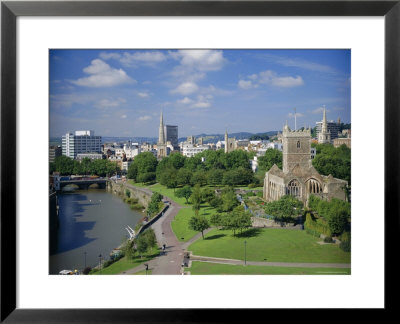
pixel 147 267
pixel 245 243
pixel 100 262
pixel 85 258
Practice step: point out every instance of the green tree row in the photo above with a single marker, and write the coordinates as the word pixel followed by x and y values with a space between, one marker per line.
pixel 209 167
pixel 334 161
pixel 67 166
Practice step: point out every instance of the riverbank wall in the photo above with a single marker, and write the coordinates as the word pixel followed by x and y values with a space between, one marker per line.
pixel 120 188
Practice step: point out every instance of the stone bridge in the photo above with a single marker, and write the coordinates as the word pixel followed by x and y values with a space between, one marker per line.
pixel 81 183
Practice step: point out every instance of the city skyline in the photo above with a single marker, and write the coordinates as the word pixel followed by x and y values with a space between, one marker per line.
pixel 122 92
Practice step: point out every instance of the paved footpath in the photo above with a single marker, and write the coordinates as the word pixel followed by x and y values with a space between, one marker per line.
pixel 171 261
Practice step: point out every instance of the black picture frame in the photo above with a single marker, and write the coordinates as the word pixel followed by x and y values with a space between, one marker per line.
pixel 10 10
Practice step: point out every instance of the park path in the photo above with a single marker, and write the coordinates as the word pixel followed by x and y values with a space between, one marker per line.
pixel 170 262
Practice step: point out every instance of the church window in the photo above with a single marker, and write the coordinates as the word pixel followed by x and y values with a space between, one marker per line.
pixel 298 144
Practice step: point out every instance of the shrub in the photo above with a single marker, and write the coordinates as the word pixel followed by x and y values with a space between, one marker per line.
pixel 127 193
pixel 259 194
pixel 328 239
pixel 86 270
pixel 345 246
pixel 108 263
pixel 253 185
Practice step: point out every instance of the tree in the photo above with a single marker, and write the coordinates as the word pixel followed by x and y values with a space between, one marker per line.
pixel 184 192
pixel 208 194
pixel 334 161
pixel 199 178
pixel 168 177
pixel 271 157
pixel 144 162
pixel 141 245
pixel 217 219
pixel 196 199
pixel 238 219
pixel 64 165
pixel 338 221
pixel 146 177
pixel 215 176
pixel 154 205
pixel 229 200
pixel 184 176
pixel 199 224
pixel 284 209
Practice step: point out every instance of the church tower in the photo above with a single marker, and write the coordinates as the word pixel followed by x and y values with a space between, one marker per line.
pixel 161 144
pixel 296 147
pixel 324 136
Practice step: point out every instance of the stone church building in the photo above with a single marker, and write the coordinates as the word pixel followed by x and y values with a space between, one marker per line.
pixel 298 177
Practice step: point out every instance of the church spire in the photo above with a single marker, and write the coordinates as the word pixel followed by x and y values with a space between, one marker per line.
pixel 324 124
pixel 161 135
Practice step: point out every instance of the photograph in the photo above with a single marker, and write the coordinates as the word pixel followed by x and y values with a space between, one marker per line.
pixel 199 161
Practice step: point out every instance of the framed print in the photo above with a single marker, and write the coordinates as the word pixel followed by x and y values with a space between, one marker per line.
pixel 175 51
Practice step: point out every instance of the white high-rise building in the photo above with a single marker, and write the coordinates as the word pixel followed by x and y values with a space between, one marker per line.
pixel 80 142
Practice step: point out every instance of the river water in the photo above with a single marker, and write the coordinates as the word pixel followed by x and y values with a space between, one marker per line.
pixel 91 221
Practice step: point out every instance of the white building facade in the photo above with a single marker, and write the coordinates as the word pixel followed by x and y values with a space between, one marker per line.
pixel 80 142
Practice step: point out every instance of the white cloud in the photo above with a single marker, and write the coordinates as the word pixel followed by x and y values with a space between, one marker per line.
pixel 186 88
pixel 144 118
pixel 102 75
pixel 123 116
pixel 107 56
pixel 110 103
pixel 185 101
pixel 202 101
pixel 270 77
pixel 143 94
pixel 201 104
pixel 253 77
pixel 201 60
pixel 245 84
pixel 148 58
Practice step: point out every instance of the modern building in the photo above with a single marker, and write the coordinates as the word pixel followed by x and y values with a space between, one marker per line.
pixel 171 135
pixel 298 177
pixel 190 150
pixel 80 142
pixel 54 151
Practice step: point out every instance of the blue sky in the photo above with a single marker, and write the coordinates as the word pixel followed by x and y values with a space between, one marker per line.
pixel 122 92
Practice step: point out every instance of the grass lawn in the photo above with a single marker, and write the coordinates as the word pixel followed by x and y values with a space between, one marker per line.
pixel 269 244
pixel 168 193
pixel 207 268
pixel 180 224
pixel 140 185
pixel 124 264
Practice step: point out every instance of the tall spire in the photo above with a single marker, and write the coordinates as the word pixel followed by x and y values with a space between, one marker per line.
pixel 324 124
pixel 161 135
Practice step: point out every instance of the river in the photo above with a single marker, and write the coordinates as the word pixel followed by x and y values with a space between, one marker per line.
pixel 92 222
